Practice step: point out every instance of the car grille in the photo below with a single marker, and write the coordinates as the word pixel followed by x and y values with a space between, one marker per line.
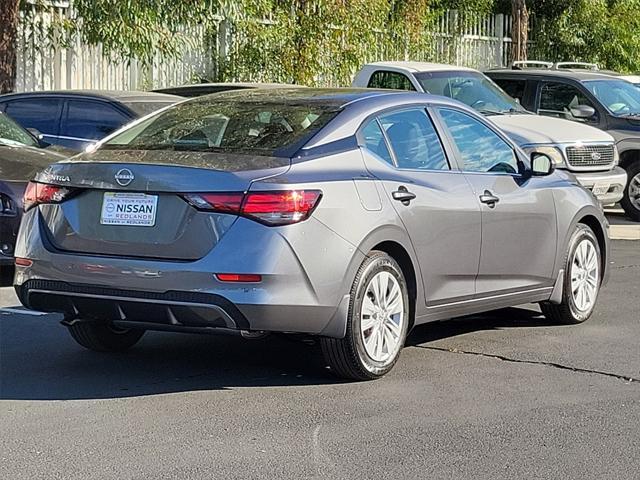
pixel 590 155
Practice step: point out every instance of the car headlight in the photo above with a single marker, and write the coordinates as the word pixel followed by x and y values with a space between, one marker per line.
pixel 553 153
pixel 616 156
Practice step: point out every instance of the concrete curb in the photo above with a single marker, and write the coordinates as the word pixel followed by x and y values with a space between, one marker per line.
pixel 624 232
pixel 621 228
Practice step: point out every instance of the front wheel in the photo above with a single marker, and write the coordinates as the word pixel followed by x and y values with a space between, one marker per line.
pixel 631 200
pixel 104 337
pixel 583 264
pixel 377 322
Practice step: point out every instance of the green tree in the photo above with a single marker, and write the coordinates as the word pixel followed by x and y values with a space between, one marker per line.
pixel 9 17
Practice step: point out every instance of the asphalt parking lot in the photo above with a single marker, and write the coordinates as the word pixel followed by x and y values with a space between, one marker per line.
pixel 502 395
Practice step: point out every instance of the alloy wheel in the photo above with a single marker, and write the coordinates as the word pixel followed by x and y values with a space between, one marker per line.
pixel 382 315
pixel 585 275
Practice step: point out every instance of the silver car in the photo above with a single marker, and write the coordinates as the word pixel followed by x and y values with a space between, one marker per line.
pixel 351 215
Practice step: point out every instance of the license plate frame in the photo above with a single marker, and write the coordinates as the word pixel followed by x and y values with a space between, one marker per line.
pixel 127 209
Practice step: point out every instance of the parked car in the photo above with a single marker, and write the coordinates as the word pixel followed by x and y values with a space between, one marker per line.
pixel 588 97
pixel 21 157
pixel 76 119
pixel 352 215
pixel 571 146
pixel 200 89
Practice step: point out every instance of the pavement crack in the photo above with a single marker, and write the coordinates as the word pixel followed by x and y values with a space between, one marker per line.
pixel 627 266
pixel 559 366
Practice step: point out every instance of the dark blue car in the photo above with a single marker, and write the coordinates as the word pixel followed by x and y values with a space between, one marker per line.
pixel 76 119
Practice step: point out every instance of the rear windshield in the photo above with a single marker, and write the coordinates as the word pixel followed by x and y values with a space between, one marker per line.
pixel 273 129
pixel 12 134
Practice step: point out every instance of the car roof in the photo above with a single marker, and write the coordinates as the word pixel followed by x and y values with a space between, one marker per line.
pixel 126 96
pixel 230 84
pixel 330 97
pixel 417 67
pixel 575 74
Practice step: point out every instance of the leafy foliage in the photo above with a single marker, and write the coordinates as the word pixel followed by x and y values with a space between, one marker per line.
pixel 298 41
pixel 606 32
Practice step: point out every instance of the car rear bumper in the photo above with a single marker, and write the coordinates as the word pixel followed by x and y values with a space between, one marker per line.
pixel 294 295
pixel 615 178
pixel 194 312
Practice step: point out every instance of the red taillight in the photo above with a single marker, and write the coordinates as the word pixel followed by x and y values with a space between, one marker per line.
pixel 23 262
pixel 239 277
pixel 218 202
pixel 279 207
pixel 39 193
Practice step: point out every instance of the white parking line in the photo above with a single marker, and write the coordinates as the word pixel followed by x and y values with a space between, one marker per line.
pixel 7 311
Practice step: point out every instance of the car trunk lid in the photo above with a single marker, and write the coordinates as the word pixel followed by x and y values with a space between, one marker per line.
pixel 135 207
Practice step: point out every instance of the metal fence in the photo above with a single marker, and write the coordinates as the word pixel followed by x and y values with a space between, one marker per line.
pixel 462 39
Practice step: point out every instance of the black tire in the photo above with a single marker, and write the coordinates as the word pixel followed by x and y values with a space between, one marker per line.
pixel 567 312
pixel 630 209
pixel 347 356
pixel 104 337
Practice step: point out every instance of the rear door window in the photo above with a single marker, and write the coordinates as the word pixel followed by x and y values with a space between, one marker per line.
pixel 391 80
pixel 11 133
pixel 414 140
pixel 42 113
pixel 92 120
pixel 375 142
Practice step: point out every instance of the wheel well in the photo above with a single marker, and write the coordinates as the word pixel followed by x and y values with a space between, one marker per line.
pixel 628 157
pixel 400 255
pixel 593 223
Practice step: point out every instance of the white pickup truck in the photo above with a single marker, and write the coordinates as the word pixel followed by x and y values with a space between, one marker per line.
pixel 587 152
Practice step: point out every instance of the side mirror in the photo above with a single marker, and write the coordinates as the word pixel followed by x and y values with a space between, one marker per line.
pixel 39 137
pixel 36 133
pixel 541 165
pixel 583 111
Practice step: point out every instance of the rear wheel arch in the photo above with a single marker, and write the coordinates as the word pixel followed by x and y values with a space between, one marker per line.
pixel 400 255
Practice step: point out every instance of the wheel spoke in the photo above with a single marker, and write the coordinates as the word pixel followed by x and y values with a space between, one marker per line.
pixel 368 307
pixel 379 341
pixel 370 340
pixel 393 298
pixel 390 341
pixel 394 328
pixel 384 286
pixel 367 323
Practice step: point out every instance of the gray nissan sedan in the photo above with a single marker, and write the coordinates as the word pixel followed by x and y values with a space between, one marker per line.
pixel 351 215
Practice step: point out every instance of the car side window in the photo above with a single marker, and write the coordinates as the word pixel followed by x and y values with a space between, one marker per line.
pixel 557 99
pixel 414 140
pixel 514 88
pixel 481 149
pixel 391 80
pixel 374 141
pixel 91 120
pixel 42 114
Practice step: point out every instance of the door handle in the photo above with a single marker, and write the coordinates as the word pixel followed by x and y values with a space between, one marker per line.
pixel 403 195
pixel 489 198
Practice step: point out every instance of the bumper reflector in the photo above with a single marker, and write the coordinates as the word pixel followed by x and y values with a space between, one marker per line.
pixel 239 277
pixel 23 262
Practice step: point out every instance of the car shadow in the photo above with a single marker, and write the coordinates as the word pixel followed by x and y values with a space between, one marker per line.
pixel 40 361
pixel 512 317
